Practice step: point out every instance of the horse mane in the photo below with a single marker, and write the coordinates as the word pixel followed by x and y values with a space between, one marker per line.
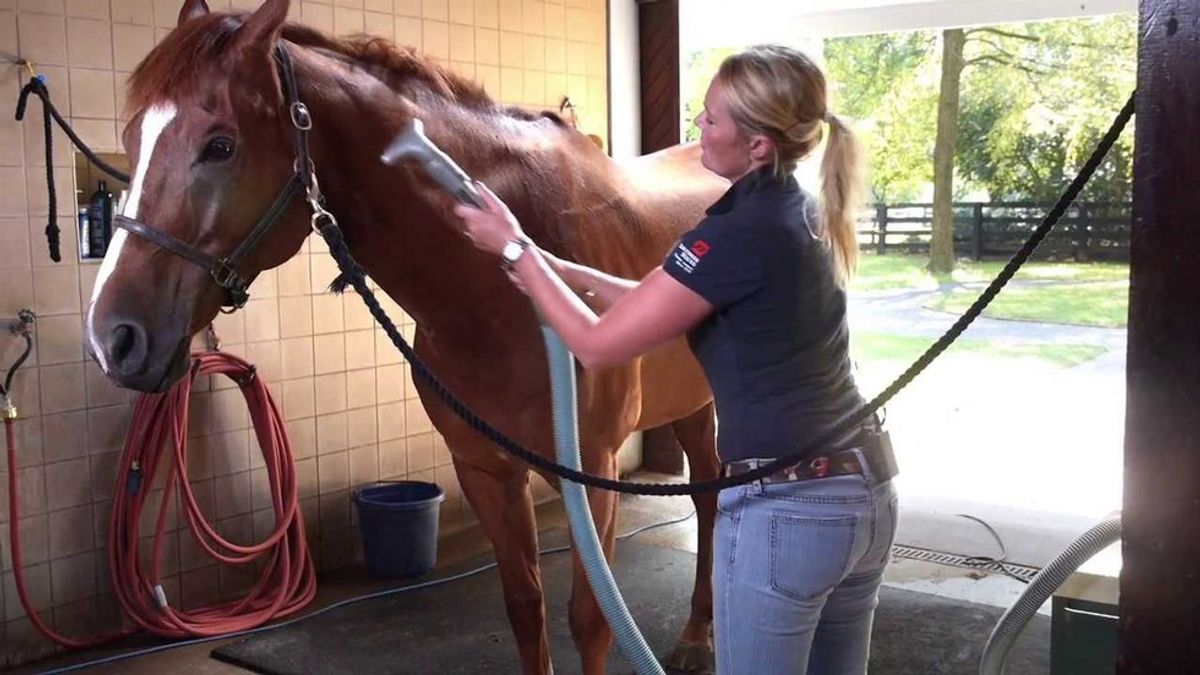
pixel 170 70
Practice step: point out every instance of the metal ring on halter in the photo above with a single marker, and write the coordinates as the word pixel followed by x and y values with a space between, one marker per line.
pixel 319 215
pixel 301 118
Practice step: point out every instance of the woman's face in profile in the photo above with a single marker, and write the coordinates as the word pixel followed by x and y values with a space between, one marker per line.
pixel 724 149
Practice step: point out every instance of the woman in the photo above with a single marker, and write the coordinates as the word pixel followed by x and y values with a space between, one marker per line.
pixel 759 289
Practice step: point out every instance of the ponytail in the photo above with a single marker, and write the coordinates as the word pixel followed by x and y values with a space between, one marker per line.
pixel 841 192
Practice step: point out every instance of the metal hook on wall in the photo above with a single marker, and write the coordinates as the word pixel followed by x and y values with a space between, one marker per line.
pixel 567 108
pixel 21 326
pixel 18 61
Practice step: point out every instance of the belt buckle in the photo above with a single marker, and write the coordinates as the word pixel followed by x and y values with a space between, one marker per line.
pixel 819 467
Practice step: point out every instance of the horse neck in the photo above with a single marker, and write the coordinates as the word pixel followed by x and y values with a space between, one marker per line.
pixel 400 227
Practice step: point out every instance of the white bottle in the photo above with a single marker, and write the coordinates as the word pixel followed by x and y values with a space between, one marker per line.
pixel 85 234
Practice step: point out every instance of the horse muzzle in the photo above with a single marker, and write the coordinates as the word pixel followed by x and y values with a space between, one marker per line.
pixel 135 357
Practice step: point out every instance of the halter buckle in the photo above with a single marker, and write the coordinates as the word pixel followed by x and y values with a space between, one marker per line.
pixel 228 278
pixel 301 118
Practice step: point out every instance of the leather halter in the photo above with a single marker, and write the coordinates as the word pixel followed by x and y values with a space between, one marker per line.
pixel 224 269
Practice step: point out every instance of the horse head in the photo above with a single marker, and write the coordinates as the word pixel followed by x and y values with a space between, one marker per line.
pixel 211 154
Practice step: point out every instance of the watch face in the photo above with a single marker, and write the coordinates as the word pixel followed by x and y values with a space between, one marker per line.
pixel 512 250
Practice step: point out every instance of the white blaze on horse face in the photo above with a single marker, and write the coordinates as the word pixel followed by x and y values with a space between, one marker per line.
pixel 153 122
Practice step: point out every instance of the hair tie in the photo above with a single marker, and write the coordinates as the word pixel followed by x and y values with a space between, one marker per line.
pixel 828 118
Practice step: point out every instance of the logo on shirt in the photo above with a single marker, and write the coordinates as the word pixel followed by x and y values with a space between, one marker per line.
pixel 700 248
pixel 685 259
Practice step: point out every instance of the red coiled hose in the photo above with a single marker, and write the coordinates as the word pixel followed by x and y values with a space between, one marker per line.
pixel 287 580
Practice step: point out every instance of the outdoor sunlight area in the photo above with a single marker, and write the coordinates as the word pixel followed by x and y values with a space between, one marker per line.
pixel 1018 412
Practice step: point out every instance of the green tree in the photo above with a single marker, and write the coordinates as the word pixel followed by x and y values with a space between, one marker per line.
pixel 864 71
pixel 1026 131
pixel 881 82
pixel 1034 100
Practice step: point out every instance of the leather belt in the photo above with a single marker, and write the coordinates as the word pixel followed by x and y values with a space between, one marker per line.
pixel 875 450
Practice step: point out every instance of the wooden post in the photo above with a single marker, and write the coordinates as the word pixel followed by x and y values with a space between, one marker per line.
pixel 978 238
pixel 1083 224
pixel 1160 577
pixel 658 46
pixel 881 218
pixel 658 66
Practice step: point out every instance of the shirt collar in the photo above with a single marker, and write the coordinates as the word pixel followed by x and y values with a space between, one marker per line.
pixel 762 178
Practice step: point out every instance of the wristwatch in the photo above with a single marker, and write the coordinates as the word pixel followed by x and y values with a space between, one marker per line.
pixel 512 251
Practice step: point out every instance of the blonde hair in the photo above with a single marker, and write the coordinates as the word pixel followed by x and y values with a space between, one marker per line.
pixel 780 93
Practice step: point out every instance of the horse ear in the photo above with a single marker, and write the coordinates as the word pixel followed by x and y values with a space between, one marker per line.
pixel 262 27
pixel 192 9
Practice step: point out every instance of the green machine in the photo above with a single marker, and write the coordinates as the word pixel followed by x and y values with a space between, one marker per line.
pixel 1084 617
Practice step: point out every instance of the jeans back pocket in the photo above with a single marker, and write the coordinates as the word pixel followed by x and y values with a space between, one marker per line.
pixel 810 555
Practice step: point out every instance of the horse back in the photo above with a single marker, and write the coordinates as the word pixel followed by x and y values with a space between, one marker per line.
pixel 656 198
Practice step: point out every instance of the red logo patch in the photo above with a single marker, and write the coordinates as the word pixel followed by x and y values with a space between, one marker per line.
pixel 700 248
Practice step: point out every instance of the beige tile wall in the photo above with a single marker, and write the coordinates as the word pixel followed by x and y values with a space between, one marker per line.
pixel 348 400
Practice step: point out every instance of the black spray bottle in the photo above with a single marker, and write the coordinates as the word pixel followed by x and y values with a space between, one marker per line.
pixel 100 216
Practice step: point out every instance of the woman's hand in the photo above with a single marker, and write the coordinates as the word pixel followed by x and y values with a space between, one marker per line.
pixel 492 227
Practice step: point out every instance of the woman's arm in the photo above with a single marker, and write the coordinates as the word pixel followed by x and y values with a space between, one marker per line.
pixel 600 290
pixel 641 317
pixel 655 311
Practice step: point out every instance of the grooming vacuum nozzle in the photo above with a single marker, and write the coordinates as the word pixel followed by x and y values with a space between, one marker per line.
pixel 411 144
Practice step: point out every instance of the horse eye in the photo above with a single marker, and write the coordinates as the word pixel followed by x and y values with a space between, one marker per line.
pixel 217 150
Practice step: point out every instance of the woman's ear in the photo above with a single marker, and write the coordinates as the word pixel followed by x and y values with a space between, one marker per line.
pixel 762 148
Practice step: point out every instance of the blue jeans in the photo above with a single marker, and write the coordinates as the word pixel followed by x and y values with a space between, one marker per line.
pixel 796 574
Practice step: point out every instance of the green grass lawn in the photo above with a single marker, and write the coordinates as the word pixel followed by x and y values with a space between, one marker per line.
pixel 869 347
pixel 1095 294
pixel 1100 303
pixel 908 271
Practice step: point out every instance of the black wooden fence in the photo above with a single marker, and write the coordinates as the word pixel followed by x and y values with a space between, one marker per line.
pixel 1087 231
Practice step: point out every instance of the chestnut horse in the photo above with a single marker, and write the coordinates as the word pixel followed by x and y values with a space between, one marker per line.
pixel 212 143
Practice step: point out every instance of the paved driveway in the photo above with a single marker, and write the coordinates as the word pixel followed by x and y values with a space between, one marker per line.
pixel 1034 447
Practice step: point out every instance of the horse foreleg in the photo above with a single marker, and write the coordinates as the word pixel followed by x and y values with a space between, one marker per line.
pixel 697 435
pixel 504 505
pixel 589 629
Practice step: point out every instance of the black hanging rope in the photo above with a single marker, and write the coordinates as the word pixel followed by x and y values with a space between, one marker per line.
pixel 353 273
pixel 37 86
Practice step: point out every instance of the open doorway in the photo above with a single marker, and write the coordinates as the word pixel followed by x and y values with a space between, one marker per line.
pixel 1020 425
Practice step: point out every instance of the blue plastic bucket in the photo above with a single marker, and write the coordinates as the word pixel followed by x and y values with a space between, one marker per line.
pixel 399 523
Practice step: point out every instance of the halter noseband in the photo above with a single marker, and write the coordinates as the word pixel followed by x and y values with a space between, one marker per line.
pixel 224 269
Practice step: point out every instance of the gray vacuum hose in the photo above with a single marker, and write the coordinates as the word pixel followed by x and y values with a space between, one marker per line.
pixel 583 530
pixel 1098 538
pixel 411 145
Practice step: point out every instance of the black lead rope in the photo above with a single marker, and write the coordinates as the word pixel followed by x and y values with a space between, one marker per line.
pixel 37 86
pixel 352 272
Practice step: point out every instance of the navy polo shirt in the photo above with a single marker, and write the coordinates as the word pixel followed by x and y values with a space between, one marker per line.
pixel 775 348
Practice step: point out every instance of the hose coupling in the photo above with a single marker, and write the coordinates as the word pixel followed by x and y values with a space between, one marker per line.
pixel 23 324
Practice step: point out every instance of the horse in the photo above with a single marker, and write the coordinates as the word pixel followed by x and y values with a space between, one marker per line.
pixel 211 138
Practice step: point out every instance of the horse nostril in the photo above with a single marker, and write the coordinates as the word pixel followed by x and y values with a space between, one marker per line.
pixel 122 344
pixel 127 348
